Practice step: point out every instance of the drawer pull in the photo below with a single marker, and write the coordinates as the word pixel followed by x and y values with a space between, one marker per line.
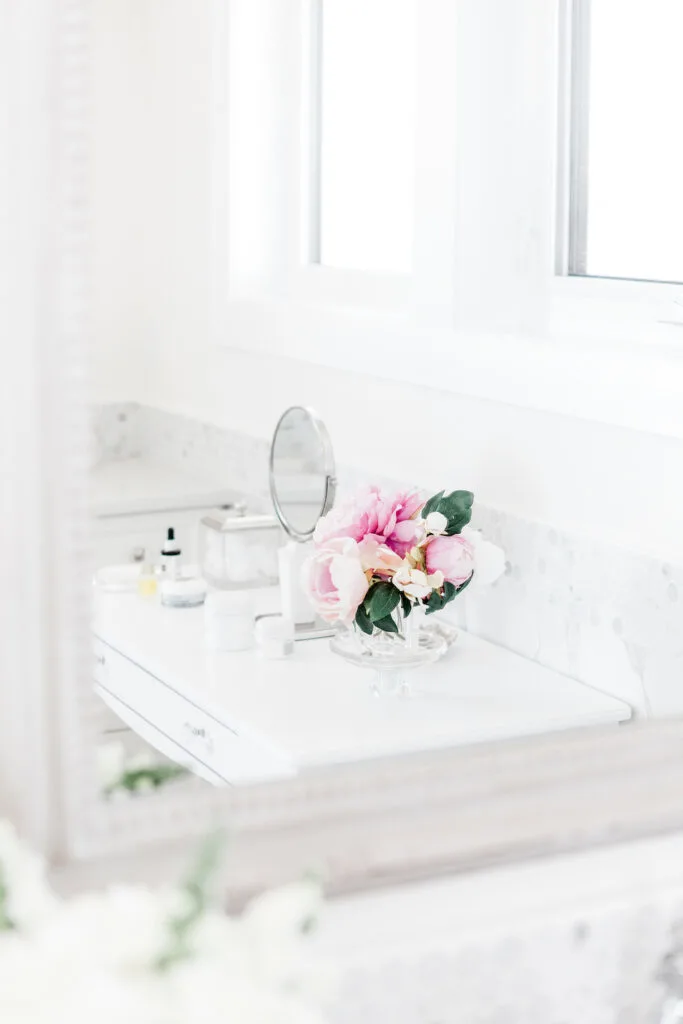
pixel 200 733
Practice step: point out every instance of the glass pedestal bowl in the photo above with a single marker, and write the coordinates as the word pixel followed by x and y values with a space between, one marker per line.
pixel 392 656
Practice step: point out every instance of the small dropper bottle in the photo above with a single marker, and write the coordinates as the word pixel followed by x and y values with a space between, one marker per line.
pixel 170 555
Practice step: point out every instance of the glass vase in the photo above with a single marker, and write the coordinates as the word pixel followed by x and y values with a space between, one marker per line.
pixel 391 656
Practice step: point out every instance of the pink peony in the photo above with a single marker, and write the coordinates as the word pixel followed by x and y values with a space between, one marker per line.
pixel 389 517
pixel 355 518
pixel 334 580
pixel 453 556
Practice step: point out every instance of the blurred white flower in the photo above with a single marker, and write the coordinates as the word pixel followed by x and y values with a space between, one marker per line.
pixel 104 956
pixel 489 559
pixel 28 900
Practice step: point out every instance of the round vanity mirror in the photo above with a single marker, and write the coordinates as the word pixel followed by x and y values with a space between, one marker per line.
pixel 302 481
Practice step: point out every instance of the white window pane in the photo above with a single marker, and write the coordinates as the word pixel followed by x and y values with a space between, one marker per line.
pixel 634 225
pixel 367 126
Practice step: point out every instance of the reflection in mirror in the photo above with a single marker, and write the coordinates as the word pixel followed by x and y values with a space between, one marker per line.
pixel 201 527
pixel 301 472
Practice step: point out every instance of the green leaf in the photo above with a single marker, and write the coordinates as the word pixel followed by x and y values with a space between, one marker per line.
pixel 456 523
pixel 432 504
pixel 387 624
pixel 133 780
pixel 6 924
pixel 363 621
pixel 449 592
pixel 382 601
pixel 196 888
pixel 406 605
pixel 457 508
pixel 434 602
pixel 465 498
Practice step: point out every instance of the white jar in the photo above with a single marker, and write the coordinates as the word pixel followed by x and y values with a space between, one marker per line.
pixel 183 592
pixel 274 636
pixel 229 621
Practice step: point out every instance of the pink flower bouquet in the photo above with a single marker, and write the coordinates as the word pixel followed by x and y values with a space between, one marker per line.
pixel 379 554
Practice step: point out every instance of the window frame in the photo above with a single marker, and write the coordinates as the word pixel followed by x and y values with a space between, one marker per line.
pixel 575 56
pixel 491 296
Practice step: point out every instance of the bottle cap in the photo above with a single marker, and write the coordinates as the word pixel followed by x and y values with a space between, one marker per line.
pixel 170 545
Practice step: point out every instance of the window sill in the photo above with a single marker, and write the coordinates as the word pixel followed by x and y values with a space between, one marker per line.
pixel 628 382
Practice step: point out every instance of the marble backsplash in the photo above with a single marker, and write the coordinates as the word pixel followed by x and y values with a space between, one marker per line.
pixel 608 617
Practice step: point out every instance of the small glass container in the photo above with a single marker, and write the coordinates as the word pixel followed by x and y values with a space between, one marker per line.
pixel 239 551
pixel 274 636
pixel 229 621
pixel 147 581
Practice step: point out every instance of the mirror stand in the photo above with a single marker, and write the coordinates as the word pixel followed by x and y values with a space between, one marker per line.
pixel 295 606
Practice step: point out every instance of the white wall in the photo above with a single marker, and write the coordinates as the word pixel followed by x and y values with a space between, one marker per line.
pixel 610 482
pixel 120 182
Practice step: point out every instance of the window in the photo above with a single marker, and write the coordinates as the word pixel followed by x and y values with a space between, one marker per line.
pixel 385 179
pixel 627 187
pixel 367 98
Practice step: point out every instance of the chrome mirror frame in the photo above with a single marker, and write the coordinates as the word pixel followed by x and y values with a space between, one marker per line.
pixel 330 483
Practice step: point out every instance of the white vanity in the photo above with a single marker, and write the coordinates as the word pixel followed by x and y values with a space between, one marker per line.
pixel 235 718
pixel 238 718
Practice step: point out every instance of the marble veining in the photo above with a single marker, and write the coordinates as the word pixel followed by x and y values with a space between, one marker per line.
pixel 608 617
pixel 114 432
pixel 602 965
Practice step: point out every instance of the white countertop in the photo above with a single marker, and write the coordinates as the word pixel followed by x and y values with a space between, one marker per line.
pixel 129 486
pixel 319 710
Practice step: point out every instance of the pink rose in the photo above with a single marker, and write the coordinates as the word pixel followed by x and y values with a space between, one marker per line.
pixel 453 556
pixel 334 580
pixel 377 557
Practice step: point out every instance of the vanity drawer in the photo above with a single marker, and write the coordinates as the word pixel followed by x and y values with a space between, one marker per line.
pixel 164 716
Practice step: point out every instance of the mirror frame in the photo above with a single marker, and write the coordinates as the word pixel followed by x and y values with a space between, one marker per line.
pixel 362 825
pixel 330 471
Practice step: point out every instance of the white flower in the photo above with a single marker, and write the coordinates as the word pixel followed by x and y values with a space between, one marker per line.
pixel 122 928
pixel 489 559
pixel 28 900
pixel 436 523
pixel 436 580
pixel 413 582
pixel 96 958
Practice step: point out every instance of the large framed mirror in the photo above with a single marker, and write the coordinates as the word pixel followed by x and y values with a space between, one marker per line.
pixel 173 691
